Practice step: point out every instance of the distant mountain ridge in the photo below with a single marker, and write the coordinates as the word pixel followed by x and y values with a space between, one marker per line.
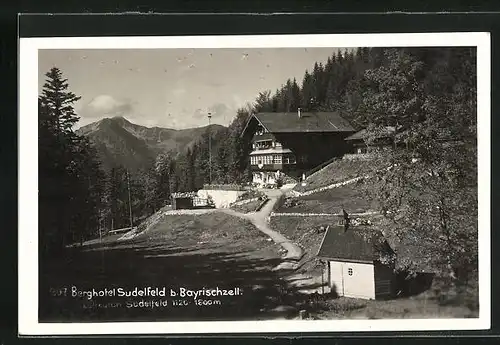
pixel 121 142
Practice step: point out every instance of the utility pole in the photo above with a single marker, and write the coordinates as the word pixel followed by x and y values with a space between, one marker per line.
pixel 209 150
pixel 322 277
pixel 129 200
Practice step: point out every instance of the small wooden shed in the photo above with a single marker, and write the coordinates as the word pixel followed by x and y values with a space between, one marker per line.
pixel 182 202
pixel 354 268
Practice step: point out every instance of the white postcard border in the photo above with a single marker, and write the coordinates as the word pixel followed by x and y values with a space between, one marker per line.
pixel 28 181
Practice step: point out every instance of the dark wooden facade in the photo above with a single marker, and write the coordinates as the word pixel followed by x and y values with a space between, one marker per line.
pixel 294 150
pixel 308 150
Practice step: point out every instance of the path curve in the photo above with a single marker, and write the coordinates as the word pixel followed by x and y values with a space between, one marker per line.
pixel 260 219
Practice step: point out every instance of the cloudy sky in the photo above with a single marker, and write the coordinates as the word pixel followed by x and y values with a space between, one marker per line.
pixel 174 88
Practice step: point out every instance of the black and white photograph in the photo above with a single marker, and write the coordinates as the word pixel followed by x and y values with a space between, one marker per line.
pixel 316 182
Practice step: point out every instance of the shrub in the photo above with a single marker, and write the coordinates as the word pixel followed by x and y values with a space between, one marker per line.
pixel 210 201
pixel 233 186
pixel 279 202
pixel 250 194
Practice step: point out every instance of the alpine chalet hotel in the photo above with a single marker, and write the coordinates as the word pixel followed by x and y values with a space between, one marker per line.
pixel 291 144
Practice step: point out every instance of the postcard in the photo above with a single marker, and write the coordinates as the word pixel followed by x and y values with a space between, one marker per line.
pixel 241 184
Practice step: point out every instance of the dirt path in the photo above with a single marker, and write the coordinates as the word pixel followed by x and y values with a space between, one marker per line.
pixel 260 220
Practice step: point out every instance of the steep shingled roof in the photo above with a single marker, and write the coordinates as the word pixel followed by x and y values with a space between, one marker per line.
pixel 355 244
pixel 307 122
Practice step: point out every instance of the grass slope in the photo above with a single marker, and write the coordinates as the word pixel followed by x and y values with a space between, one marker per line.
pixel 338 171
pixel 429 304
pixel 182 251
pixel 333 200
pixel 437 302
pixel 302 230
pixel 248 207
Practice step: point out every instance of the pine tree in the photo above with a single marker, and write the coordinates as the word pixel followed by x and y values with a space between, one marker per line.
pixel 295 99
pixel 190 170
pixel 221 163
pixel 308 93
pixel 263 103
pixel 71 188
pixel 59 102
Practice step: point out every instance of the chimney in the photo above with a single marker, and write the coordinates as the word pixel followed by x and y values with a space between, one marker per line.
pixel 298 112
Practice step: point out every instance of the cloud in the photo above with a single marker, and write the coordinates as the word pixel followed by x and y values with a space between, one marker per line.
pixel 103 106
pixel 186 69
pixel 178 92
pixel 215 84
pixel 238 102
pixel 107 105
pixel 199 113
pixel 218 109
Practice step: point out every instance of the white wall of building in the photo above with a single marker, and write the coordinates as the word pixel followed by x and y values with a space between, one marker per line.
pixel 221 198
pixel 350 279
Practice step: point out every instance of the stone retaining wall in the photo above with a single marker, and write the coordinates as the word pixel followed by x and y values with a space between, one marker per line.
pixel 296 214
pixel 332 186
pixel 221 198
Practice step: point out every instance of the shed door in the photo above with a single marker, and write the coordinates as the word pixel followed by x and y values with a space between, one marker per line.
pixel 358 280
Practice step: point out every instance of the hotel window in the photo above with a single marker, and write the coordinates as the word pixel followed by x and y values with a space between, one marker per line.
pixel 268 159
pixel 289 159
pixel 277 159
pixel 264 144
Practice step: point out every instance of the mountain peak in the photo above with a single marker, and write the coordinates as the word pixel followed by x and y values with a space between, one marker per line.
pixel 121 142
pixel 121 119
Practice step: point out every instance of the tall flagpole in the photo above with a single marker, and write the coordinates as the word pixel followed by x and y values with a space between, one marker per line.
pixel 209 150
pixel 129 200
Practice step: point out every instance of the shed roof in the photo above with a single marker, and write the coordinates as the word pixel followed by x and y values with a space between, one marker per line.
pixel 310 122
pixel 355 244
